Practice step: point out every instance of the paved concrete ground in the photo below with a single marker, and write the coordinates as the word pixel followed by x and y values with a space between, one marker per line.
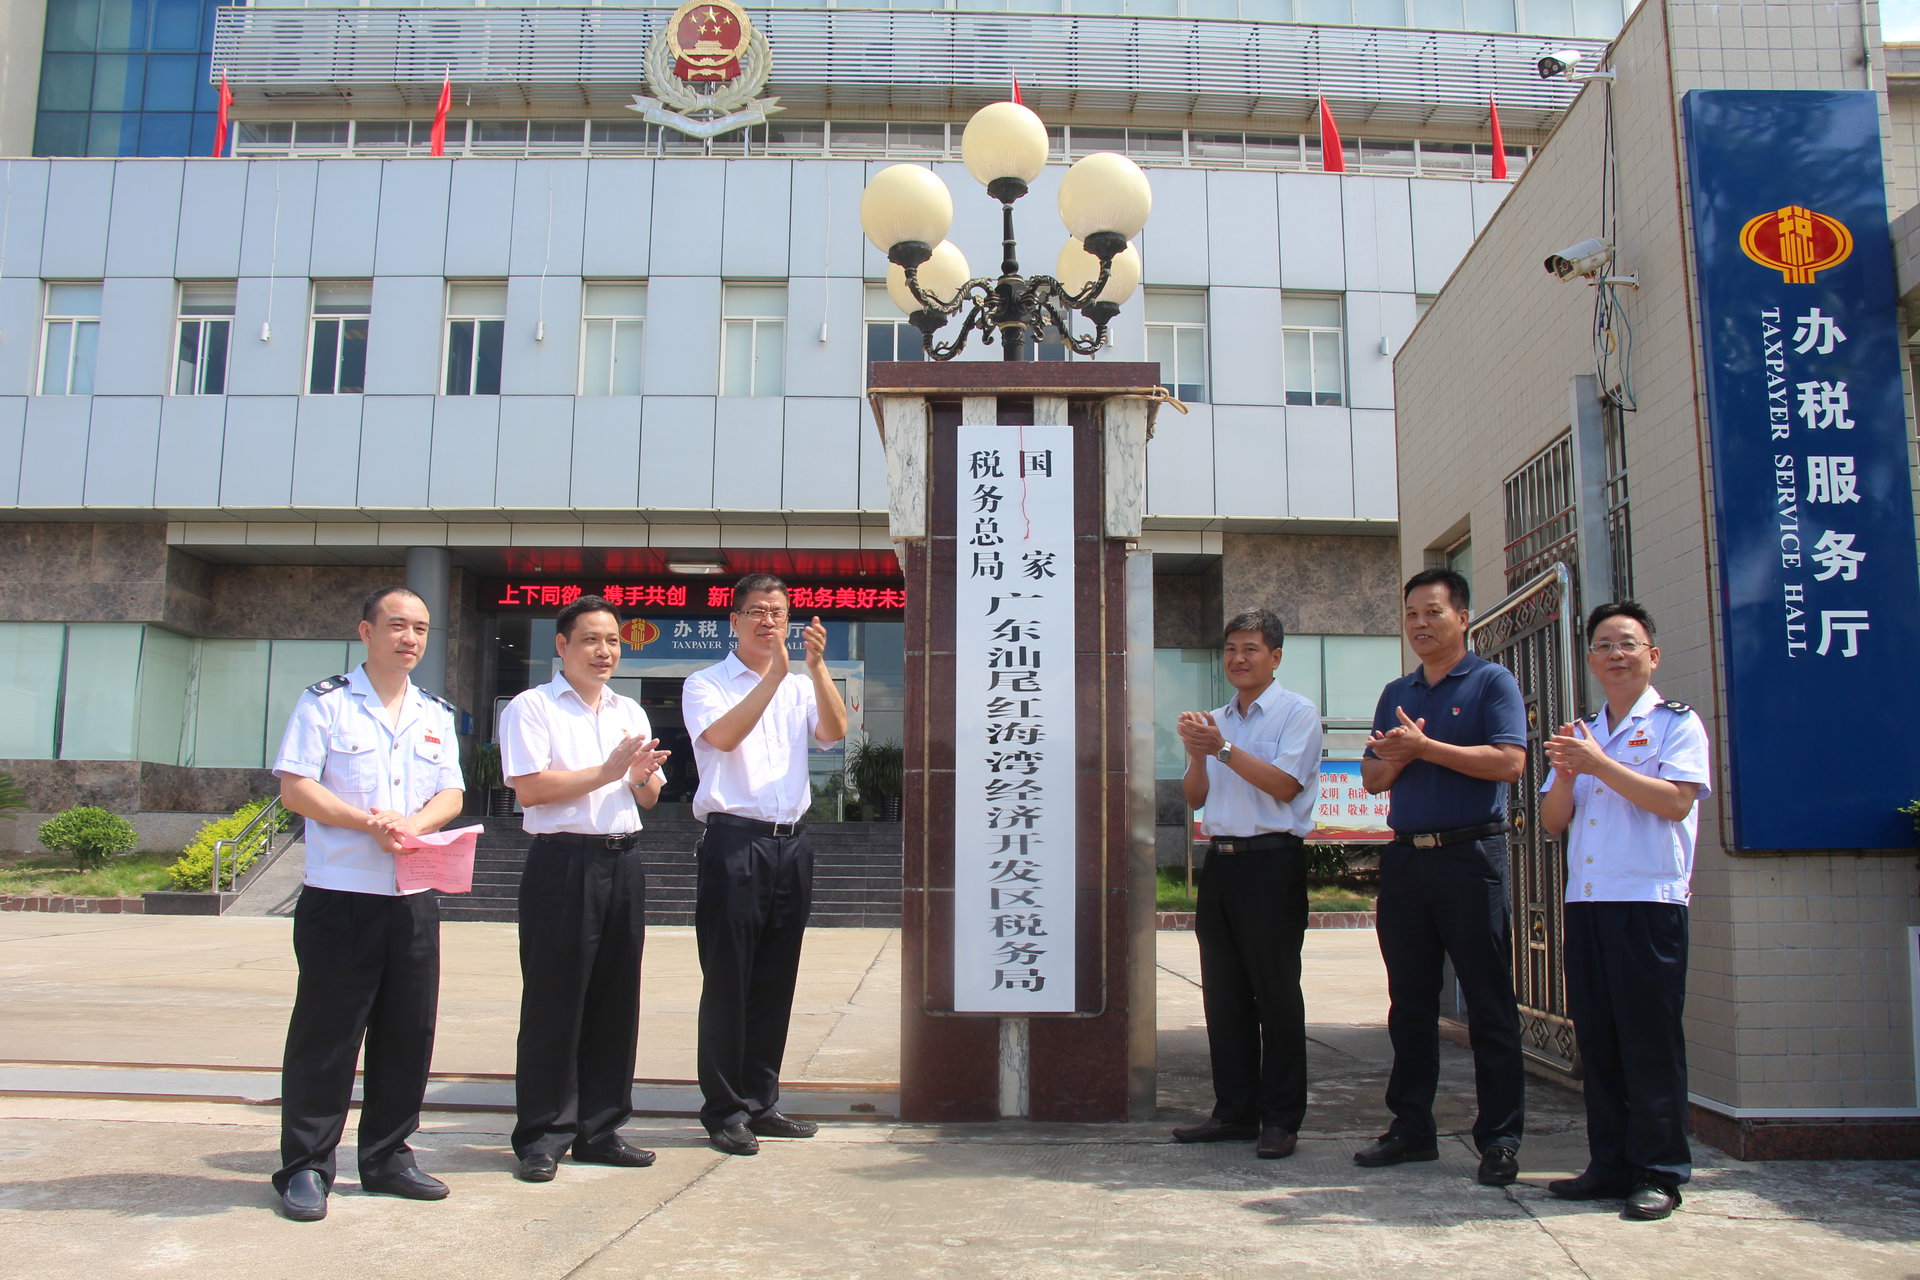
pixel 93 1187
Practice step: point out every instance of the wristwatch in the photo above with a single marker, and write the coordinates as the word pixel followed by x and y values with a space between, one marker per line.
pixel 1225 753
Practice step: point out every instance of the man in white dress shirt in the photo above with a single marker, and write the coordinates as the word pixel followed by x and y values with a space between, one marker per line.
pixel 583 761
pixel 368 760
pixel 752 720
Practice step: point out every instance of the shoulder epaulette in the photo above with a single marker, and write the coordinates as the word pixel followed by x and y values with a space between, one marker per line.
pixel 1676 707
pixel 434 697
pixel 1594 718
pixel 327 686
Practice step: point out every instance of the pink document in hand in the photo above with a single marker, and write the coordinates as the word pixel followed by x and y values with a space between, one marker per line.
pixel 441 860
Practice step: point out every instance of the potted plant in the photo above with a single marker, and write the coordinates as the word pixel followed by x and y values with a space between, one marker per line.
pixel 486 779
pixel 877 771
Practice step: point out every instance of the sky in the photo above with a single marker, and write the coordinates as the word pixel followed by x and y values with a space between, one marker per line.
pixel 1900 19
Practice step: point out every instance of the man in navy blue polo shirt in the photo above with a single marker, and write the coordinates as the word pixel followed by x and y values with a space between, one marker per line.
pixel 1448 739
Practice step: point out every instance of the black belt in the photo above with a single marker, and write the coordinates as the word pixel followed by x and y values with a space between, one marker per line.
pixel 611 844
pixel 1459 835
pixel 754 824
pixel 1253 844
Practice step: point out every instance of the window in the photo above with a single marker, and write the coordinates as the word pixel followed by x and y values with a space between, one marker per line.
pixel 1177 338
pixel 1310 349
pixel 889 336
pixel 70 339
pixel 342 311
pixel 613 322
pixel 754 328
pixel 206 325
pixel 476 331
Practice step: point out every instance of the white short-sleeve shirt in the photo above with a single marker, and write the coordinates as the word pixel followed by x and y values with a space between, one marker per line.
pixel 1282 728
pixel 338 736
pixel 1617 851
pixel 765 777
pixel 551 727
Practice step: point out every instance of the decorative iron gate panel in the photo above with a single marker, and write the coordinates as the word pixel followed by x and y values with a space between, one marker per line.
pixel 1534 634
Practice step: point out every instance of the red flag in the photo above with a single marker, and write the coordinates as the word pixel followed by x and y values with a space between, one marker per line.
pixel 1333 158
pixel 439 134
pixel 220 122
pixel 1499 141
pixel 1016 88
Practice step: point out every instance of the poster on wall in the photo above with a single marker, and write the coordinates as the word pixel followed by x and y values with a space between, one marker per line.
pixel 1812 492
pixel 1014 697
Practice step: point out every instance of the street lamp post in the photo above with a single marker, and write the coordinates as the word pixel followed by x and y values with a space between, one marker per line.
pixel 906 212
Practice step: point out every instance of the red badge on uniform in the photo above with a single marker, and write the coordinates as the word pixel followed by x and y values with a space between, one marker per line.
pixel 1641 741
pixel 430 738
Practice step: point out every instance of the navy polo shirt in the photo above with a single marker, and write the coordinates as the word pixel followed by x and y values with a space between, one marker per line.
pixel 1476 703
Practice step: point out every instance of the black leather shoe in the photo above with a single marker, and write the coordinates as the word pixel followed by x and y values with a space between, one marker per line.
pixel 1215 1131
pixel 536 1168
pixel 409 1184
pixel 771 1124
pixel 734 1140
pixel 1392 1149
pixel 1650 1202
pixel 1499 1166
pixel 1590 1186
pixel 615 1151
pixel 1275 1143
pixel 305 1199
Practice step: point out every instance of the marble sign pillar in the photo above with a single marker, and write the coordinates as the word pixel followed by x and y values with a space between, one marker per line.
pixel 1093 1061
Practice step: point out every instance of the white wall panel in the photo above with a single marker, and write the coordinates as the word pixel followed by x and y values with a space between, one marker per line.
pixel 466 448
pixel 396 448
pixel 1174 244
pixel 13 429
pixel 606 452
pixel 19 335
pixel 836 367
pixel 549 217
pixel 683 338
pixel 756 220
pixel 406 338
pixel 413 217
pixel 123 446
pixel 873 464
pixel 480 203
pixel 276 236
pixel 53 451
pixel 1487 198
pixel 748 453
pixel 676 452
pixel 1375 495
pixel 1180 464
pixel 536 452
pixel 136 336
pixel 686 231
pixel 1312 232
pixel 1378 234
pixel 1243 340
pixel 192 436
pixel 79 202
pixel 213 202
pixel 619 218
pixel 534 365
pixel 146 218
pixel 822 454
pixel 23 199
pixel 346 220
pixel 1319 462
pixel 326 451
pixel 1250 460
pixel 256 465
pixel 1442 229
pixel 1369 373
pixel 277 366
pixel 825 237
pixel 1243 220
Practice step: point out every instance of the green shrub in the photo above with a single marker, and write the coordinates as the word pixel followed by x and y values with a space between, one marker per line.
pixel 193 873
pixel 90 834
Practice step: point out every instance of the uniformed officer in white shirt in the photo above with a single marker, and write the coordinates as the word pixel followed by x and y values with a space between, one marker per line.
pixel 752 720
pixel 1624 788
pixel 1254 765
pixel 368 759
pixel 580 758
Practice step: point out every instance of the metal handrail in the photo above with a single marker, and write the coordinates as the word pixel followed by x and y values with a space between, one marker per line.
pixel 269 815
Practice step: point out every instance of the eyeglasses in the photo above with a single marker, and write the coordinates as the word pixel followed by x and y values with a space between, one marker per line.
pixel 760 613
pixel 1625 648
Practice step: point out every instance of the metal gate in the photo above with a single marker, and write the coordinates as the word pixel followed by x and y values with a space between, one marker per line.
pixel 1534 634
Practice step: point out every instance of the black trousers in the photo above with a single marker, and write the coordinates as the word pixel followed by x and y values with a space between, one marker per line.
pixel 1251 921
pixel 1446 904
pixel 755 893
pixel 583 919
pixel 369 969
pixel 1626 989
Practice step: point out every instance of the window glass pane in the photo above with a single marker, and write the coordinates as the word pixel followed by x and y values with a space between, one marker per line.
pixel 769 357
pixel 917 137
pixel 117 79
pixel 353 356
pixel 123 24
pixel 97 711
pixel 170 81
pixel 1297 355
pixel 1217 146
pixel 229 716
pixel 166 663
pixel 1547 17
pixel 500 135
pixel 213 378
pixel 1340 11
pixel 186 358
pixel 29 686
pixel 624 135
pixel 66 82
pixel 112 133
pixel 738 359
pixel 1213 9
pixel 1490 15
pixel 1191 345
pixel 1380 13
pixel 176 24
pixel 556 133
pixel 768 300
pixel 858 136
pixel 343 297
pixel 73 299
pixel 1086 139
pixel 263 133
pixel 477 300
pixel 1183 680
pixel 615 300
pixel 291 667
pixel 1168 306
pixel 1357 668
pixel 878 304
pixel 1300 669
pixel 628 347
pixel 1444 14
pixel 207 299
pixel 1155 144
pixel 1329 378
pixel 320 135
pixel 486 359
pixel 55 357
pixel 60 133
pixel 326 355
pixel 166 133
pixel 73 24
pixel 1275 149
pixel 460 358
pixel 596 357
pixel 792 136
pixel 1160 349
pixel 1600 19
pixel 879 341
pixel 86 343
pixel 1386 153
pixel 1446 157
pixel 380 133
pixel 1296 311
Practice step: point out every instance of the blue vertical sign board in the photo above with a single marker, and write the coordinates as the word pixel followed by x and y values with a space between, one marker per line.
pixel 1813 505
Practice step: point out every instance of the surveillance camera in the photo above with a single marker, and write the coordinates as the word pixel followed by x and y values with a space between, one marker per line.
pixel 1560 62
pixel 1588 258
